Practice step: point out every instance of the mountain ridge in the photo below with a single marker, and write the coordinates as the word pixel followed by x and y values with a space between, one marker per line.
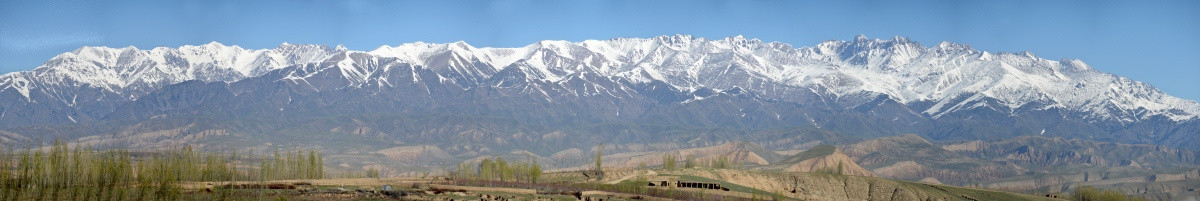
pixel 877 79
pixel 902 50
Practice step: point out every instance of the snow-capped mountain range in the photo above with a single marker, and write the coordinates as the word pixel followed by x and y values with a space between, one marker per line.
pixel 938 83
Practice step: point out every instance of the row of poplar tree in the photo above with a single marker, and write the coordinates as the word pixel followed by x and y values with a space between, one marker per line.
pixel 62 172
pixel 498 169
pixel 670 162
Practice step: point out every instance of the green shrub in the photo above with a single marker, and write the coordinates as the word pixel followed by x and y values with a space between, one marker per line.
pixel 372 173
pixel 668 162
pixel 721 163
pixel 690 161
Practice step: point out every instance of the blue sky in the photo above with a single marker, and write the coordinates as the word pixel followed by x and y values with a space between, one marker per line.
pixel 1157 43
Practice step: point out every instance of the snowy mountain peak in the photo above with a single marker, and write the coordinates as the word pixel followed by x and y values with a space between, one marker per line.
pixel 742 41
pixel 1077 64
pixel 676 38
pixel 289 47
pixel 214 44
pixel 946 47
pixel 133 71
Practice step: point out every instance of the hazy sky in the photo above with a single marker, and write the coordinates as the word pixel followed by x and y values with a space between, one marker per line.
pixel 1157 43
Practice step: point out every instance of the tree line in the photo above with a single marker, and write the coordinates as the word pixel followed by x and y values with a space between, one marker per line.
pixel 670 162
pixel 293 165
pixel 62 172
pixel 499 170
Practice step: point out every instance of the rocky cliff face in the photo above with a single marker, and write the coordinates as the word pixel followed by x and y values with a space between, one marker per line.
pixel 824 159
pixel 910 157
pixel 1044 152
